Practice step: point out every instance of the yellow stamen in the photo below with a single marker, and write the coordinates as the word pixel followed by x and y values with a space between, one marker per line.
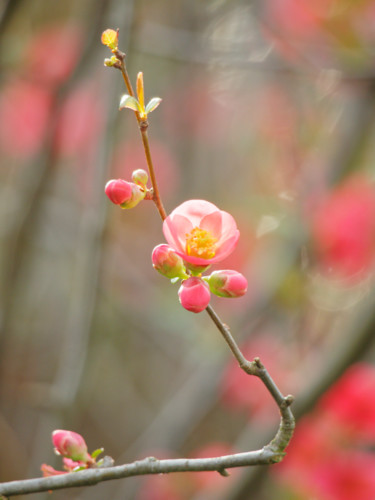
pixel 200 243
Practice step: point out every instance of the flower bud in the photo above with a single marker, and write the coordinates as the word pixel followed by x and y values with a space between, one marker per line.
pixel 227 283
pixel 118 191
pixel 168 263
pixel 194 295
pixel 140 177
pixel 71 445
pixel 124 193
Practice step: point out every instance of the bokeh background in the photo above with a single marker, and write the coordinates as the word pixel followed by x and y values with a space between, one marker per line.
pixel 268 111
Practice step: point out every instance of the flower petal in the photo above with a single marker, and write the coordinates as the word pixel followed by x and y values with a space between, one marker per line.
pixel 175 228
pixel 213 224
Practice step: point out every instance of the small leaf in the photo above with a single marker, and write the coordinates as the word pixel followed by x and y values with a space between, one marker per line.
pixel 127 101
pixel 110 38
pixel 153 104
pixel 97 452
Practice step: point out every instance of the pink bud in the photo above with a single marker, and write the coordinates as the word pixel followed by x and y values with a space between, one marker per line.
pixel 166 261
pixel 227 283
pixel 71 445
pixel 194 295
pixel 118 191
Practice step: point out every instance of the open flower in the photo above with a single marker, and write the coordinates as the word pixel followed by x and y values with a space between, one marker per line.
pixel 201 233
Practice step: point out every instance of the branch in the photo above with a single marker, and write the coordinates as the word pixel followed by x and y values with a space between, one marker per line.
pixel 149 465
pixel 287 423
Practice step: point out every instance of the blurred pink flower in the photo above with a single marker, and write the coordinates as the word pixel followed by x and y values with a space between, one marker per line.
pixel 52 54
pixel 343 229
pixel 25 110
pixel 326 459
pixel 194 295
pixel 351 402
pixel 80 122
pixel 201 233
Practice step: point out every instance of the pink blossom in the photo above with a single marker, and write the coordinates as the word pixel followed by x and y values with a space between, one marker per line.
pixel 70 445
pixel 227 283
pixel 194 295
pixel 201 233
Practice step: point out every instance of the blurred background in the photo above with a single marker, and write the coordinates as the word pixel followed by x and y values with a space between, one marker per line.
pixel 268 112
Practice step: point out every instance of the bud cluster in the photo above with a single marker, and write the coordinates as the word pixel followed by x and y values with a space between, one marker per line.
pixel 190 253
pixel 128 194
pixel 73 449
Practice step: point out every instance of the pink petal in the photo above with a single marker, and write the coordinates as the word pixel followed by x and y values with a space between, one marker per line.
pixel 213 224
pixel 227 247
pixel 229 227
pixel 195 210
pixel 175 228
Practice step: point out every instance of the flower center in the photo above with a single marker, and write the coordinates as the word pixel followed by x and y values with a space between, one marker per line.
pixel 200 243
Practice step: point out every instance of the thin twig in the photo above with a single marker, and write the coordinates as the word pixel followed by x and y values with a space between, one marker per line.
pixel 143 126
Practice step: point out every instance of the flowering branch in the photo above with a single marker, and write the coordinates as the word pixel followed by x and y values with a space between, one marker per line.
pixel 198 235
pixel 110 39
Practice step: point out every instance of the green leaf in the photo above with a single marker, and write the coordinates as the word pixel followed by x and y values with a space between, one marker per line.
pixel 127 101
pixel 153 104
pixel 97 452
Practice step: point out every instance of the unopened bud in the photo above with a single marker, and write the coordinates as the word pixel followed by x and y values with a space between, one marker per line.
pixel 71 445
pixel 227 283
pixel 111 61
pixel 194 295
pixel 166 261
pixel 118 191
pixel 123 193
pixel 140 177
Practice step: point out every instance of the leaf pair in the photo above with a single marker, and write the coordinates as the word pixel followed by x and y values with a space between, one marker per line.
pixel 138 105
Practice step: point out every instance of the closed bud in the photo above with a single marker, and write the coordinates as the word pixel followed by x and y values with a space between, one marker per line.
pixel 118 191
pixel 124 193
pixel 227 283
pixel 194 295
pixel 168 263
pixel 140 177
pixel 71 445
